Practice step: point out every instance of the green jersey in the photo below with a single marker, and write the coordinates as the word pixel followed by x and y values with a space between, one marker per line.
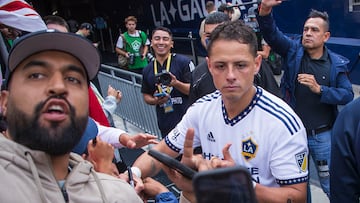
pixel 135 45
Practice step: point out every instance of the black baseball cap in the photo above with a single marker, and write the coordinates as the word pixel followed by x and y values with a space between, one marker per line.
pixel 87 26
pixel 44 40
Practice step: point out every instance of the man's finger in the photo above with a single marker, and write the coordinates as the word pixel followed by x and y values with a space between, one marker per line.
pixel 188 144
pixel 229 161
pixel 226 152
pixel 131 144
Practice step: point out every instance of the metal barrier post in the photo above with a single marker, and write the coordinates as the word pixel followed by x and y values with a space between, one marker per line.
pixel 102 40
pixel 190 39
pixel 111 41
pixel 193 48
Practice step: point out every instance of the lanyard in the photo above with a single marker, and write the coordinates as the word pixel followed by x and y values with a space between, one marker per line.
pixel 167 70
pixel 167 65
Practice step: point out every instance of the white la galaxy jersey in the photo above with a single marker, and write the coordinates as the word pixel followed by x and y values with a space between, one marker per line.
pixel 267 137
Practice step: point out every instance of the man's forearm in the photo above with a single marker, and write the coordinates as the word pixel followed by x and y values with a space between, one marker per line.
pixel 120 51
pixel 291 193
pixel 145 50
pixel 183 87
pixel 149 167
pixel 264 10
pixel 149 99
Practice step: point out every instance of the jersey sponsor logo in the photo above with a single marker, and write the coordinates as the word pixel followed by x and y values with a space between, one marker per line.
pixel 209 155
pixel 249 149
pixel 177 100
pixel 254 172
pixel 301 160
pixel 210 137
pixel 175 134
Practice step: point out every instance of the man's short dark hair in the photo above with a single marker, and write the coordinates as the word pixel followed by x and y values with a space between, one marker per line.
pixel 234 30
pixel 323 15
pixel 57 20
pixel 224 7
pixel 165 29
pixel 216 18
pixel 209 5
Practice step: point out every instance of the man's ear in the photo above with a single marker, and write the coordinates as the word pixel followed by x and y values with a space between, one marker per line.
pixel 326 36
pixel 3 101
pixel 258 61
pixel 208 63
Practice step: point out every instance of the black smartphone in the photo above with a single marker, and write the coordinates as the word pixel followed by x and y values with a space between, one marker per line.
pixel 172 163
pixel 230 185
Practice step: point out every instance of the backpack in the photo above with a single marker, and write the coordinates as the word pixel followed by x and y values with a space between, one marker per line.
pixel 122 60
pixel 275 62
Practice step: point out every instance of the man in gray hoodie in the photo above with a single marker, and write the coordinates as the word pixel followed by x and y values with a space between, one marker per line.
pixel 46 107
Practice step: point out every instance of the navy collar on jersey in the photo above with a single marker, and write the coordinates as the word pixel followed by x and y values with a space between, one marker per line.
pixel 242 114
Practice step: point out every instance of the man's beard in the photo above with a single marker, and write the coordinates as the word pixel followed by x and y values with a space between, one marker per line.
pixel 54 140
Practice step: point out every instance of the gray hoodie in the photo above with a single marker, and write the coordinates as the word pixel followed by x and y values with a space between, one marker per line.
pixel 27 176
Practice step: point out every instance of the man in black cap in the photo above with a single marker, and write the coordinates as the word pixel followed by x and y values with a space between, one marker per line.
pixel 46 108
pixel 85 29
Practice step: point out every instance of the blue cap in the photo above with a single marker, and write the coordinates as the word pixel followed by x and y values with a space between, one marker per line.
pixel 91 132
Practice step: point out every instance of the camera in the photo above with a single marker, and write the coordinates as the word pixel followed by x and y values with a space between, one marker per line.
pixel 163 78
pixel 131 58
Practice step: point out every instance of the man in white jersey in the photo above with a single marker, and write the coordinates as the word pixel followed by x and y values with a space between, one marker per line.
pixel 265 134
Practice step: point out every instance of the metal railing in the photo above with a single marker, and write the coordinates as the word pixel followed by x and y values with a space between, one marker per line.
pixel 132 107
pixel 192 40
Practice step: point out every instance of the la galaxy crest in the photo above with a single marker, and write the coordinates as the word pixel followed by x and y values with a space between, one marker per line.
pixel 301 160
pixel 249 149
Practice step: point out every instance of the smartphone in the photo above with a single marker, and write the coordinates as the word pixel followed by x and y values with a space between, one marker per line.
pixel 172 163
pixel 230 185
pixel 163 94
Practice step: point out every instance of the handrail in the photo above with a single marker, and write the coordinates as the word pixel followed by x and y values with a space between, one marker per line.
pixel 192 40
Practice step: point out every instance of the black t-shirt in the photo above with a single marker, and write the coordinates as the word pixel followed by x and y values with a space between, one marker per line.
pixel 201 83
pixel 180 66
pixel 310 109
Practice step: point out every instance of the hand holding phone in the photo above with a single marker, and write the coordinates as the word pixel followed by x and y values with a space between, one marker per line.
pixel 162 94
pixel 131 179
pixel 172 163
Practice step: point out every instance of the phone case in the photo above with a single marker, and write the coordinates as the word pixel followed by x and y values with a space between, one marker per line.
pixel 160 94
pixel 230 185
pixel 172 163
